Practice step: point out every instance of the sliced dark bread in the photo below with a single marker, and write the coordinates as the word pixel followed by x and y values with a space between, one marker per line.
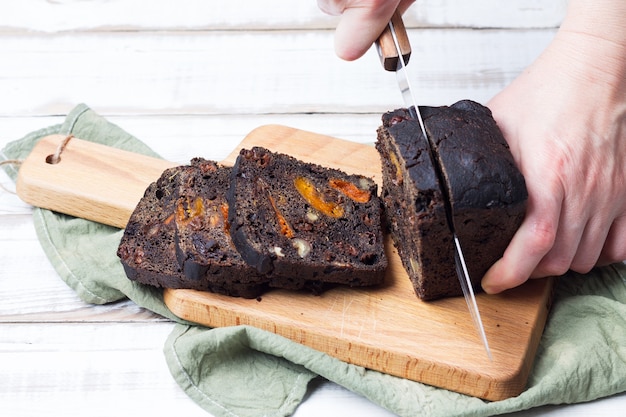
pixel 204 248
pixel 487 193
pixel 148 250
pixel 415 207
pixel 300 222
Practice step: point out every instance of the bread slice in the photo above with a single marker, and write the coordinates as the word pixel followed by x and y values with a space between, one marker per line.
pixel 415 207
pixel 204 248
pixel 300 222
pixel 148 246
pixel 486 190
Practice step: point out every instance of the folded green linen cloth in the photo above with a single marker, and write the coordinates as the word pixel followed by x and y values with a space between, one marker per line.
pixel 244 371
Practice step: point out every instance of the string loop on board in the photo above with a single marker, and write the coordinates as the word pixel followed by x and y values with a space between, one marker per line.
pixel 55 158
pixel 15 162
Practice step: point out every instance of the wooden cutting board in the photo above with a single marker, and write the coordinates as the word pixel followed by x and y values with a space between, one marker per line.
pixel 387 329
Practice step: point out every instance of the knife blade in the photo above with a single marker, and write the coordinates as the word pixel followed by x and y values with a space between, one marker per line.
pixel 394 51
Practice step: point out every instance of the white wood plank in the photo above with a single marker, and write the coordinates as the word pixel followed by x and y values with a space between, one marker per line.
pixel 108 15
pixel 14 128
pixel 10 204
pixel 88 370
pixel 32 291
pixel 181 137
pixel 487 13
pixel 329 399
pixel 155 128
pixel 115 369
pixel 281 72
pixel 118 369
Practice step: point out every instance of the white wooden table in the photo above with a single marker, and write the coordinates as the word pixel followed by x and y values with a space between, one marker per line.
pixel 191 78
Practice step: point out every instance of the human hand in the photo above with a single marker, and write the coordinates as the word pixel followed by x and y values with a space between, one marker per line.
pixel 565 121
pixel 361 23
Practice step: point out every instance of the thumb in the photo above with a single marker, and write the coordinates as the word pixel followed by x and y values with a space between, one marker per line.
pixel 532 241
pixel 359 27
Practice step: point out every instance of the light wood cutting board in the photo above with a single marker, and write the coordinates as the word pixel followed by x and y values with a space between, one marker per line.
pixel 387 328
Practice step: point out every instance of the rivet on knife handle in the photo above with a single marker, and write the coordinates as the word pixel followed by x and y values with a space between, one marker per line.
pixel 386 46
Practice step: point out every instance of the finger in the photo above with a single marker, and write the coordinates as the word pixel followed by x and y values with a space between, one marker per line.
pixel 590 246
pixel 573 221
pixel 359 27
pixel 529 245
pixel 614 249
pixel 330 7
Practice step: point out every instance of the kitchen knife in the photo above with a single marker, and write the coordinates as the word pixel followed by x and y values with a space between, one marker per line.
pixel 394 49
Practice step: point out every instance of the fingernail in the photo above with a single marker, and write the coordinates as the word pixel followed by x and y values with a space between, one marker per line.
pixel 490 288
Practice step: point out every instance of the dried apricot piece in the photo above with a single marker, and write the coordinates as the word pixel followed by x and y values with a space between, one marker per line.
pixel 350 190
pixel 398 178
pixel 187 210
pixel 224 210
pixel 285 229
pixel 308 191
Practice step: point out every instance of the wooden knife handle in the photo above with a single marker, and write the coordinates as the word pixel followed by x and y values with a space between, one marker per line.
pixel 387 48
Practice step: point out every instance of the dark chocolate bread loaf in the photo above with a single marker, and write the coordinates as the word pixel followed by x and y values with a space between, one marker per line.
pixel 487 193
pixel 302 222
pixel 148 250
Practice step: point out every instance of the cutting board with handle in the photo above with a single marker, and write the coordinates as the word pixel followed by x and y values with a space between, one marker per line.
pixel 386 328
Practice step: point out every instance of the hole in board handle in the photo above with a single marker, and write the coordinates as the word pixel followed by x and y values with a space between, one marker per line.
pixel 55 158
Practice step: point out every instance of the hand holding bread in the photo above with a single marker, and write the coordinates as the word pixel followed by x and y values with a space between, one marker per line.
pixel 565 121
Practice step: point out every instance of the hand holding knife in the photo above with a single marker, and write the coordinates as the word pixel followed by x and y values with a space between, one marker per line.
pixel 395 50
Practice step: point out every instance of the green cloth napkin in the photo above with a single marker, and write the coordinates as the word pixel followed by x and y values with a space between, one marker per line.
pixel 244 371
